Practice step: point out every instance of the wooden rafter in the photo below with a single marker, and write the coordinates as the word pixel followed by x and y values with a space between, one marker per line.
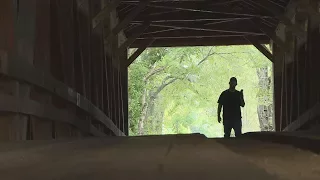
pixel 205 10
pixel 186 16
pixel 192 36
pixel 153 32
pixel 222 7
pixel 200 28
pixel 206 22
pixel 267 4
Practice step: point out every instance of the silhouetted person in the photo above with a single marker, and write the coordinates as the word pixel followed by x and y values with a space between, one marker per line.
pixel 231 100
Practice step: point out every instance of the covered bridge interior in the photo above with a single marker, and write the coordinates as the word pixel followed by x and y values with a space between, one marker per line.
pixel 63 75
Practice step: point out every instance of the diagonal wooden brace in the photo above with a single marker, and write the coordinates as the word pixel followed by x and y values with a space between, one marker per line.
pixel 260 47
pixel 137 53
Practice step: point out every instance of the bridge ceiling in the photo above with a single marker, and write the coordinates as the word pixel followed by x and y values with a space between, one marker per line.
pixel 202 22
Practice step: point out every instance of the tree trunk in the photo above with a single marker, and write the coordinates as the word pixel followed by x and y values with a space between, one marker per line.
pixel 143 112
pixel 159 124
pixel 145 104
pixel 150 120
pixel 264 108
pixel 149 114
pixel 263 117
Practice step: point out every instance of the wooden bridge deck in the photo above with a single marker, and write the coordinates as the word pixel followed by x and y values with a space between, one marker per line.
pixel 156 157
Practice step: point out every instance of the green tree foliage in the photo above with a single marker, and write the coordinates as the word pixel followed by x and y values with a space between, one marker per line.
pixel 175 90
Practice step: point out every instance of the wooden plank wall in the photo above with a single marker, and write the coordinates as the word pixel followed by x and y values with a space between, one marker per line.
pixel 297 88
pixel 56 78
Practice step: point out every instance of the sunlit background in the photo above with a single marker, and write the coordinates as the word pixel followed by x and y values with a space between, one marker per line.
pixel 175 90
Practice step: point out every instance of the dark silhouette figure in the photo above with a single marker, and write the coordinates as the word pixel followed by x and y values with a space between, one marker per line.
pixel 231 100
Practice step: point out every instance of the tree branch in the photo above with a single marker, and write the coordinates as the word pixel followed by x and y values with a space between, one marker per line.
pixel 153 72
pixel 160 88
pixel 163 85
pixel 210 53
pixel 229 53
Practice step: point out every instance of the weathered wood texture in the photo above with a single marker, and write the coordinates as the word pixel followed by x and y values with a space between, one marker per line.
pixel 297 90
pixel 203 23
pixel 56 80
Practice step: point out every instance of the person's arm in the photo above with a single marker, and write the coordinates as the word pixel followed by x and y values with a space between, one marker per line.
pixel 219 112
pixel 242 103
pixel 220 104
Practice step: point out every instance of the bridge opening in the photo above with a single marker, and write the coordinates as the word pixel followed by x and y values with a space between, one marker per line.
pixel 175 90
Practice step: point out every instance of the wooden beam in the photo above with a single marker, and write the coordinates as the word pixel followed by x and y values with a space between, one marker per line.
pixel 186 16
pixel 207 41
pixel 104 13
pixel 137 53
pixel 260 47
pixel 200 28
pixel 180 33
pixel 216 2
pixel 132 38
pixel 274 8
pixel 201 7
pixel 134 13
pixel 304 118
pixel 193 37
pixel 135 1
pixel 272 36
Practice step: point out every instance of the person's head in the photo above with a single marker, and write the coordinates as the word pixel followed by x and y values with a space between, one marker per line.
pixel 233 83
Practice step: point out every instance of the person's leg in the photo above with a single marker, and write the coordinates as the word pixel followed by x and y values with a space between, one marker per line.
pixel 227 129
pixel 237 127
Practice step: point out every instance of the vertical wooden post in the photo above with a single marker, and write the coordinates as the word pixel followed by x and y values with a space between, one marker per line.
pixel 7 23
pixel 291 90
pixel 119 104
pixel 123 90
pixel 278 56
pixel 25 43
pixel 121 127
pixel 42 128
pixel 125 102
pixel 311 74
pixel 298 81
